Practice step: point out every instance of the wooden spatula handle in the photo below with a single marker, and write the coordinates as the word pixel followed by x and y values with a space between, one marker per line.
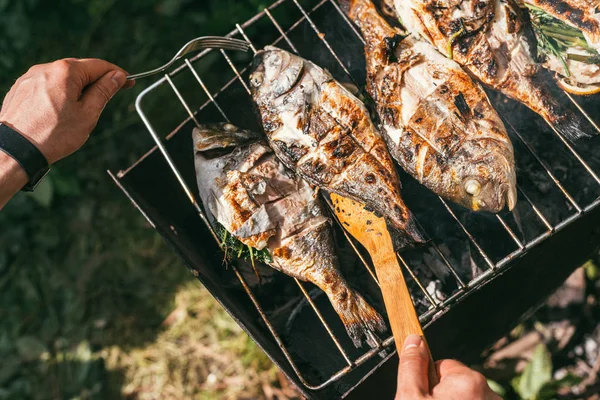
pixel 398 303
pixel 371 231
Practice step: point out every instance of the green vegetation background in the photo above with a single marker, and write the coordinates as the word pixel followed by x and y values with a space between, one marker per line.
pixel 92 303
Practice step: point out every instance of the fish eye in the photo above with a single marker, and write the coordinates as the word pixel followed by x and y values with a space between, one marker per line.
pixel 256 79
pixel 229 127
pixel 473 187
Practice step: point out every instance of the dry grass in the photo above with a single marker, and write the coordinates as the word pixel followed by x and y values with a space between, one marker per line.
pixel 201 354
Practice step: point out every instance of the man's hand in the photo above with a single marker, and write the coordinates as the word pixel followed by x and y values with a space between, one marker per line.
pixel 457 381
pixel 57 105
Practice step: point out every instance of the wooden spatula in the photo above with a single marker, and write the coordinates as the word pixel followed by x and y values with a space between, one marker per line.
pixel 371 231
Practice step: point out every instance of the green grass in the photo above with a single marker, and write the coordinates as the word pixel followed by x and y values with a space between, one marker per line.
pixel 92 302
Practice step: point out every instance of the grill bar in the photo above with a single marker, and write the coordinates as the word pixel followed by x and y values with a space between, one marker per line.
pixel 436 306
pixel 325 42
pixel 459 281
pixel 546 168
pixel 351 241
pixel 434 303
pixel 282 32
pixel 536 210
pixel 325 324
pixel 510 232
pixel 576 155
pixel 471 238
pixel 210 96
pixel 585 114
pixel 348 22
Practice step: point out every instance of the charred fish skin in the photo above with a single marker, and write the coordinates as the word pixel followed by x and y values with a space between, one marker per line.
pixel 325 134
pixel 266 206
pixel 580 14
pixel 439 125
pixel 488 38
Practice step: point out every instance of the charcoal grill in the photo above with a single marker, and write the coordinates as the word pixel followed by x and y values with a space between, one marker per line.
pixel 479 275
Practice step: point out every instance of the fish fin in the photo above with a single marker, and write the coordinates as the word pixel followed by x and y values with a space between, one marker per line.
pixel 358 316
pixel 346 5
pixel 570 126
pixel 408 237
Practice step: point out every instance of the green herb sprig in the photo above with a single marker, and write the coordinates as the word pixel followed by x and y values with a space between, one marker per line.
pixel 235 249
pixel 556 37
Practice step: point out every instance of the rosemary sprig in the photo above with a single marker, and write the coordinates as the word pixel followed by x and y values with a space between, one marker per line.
pixel 556 37
pixel 233 248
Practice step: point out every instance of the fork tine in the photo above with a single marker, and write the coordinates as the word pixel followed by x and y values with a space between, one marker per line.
pixel 221 44
pixel 224 40
pixel 217 45
pixel 225 43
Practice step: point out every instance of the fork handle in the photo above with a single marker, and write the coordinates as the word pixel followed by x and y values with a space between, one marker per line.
pixel 145 74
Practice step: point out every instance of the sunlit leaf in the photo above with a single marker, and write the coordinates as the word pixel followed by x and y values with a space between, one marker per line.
pixel 497 388
pixel 592 271
pixel 536 374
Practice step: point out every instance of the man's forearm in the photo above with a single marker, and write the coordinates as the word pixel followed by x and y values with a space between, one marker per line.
pixel 12 178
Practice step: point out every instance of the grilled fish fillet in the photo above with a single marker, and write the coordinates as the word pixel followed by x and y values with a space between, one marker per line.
pixel 324 133
pixel 439 124
pixel 580 14
pixel 263 204
pixel 488 38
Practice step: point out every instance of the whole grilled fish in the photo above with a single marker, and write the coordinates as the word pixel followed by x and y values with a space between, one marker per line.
pixel 488 38
pixel 324 133
pixel 266 206
pixel 439 124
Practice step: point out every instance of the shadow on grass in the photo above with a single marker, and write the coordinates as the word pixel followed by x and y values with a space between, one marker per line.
pixel 90 276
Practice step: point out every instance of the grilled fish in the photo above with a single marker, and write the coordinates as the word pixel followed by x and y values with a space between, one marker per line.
pixel 320 130
pixel 580 14
pixel 489 39
pixel 568 34
pixel 247 189
pixel 439 124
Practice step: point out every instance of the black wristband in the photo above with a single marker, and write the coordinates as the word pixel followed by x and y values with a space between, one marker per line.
pixel 26 154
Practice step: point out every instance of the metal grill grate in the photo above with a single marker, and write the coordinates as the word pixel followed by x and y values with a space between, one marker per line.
pixel 493 263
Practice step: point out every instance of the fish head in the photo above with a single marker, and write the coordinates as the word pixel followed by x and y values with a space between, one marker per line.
pixel 274 72
pixel 221 136
pixel 485 180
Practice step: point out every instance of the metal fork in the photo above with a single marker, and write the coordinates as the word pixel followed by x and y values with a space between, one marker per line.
pixel 206 42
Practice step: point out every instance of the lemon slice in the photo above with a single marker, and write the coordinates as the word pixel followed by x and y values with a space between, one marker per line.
pixel 576 88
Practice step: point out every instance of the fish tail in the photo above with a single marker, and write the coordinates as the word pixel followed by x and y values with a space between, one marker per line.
pixel 539 98
pixel 347 5
pixel 568 124
pixel 409 235
pixel 357 315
